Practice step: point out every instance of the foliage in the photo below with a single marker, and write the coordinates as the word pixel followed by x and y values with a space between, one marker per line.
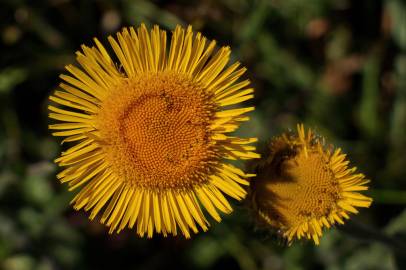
pixel 337 65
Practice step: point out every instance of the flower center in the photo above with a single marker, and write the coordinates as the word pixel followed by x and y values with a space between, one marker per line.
pixel 298 186
pixel 155 129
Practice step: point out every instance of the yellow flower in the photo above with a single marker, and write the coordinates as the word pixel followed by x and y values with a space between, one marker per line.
pixel 150 134
pixel 303 185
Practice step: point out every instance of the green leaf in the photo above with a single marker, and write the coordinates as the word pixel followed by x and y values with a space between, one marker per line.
pixel 368 108
pixel 10 77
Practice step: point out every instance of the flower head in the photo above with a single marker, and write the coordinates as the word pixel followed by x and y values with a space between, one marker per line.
pixel 304 185
pixel 150 135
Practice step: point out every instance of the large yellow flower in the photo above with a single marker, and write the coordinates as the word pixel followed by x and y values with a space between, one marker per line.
pixel 304 185
pixel 149 135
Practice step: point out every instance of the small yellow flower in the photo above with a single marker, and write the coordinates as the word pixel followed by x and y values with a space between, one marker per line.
pixel 304 185
pixel 149 135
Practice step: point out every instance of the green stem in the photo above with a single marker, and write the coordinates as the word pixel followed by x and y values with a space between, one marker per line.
pixel 386 196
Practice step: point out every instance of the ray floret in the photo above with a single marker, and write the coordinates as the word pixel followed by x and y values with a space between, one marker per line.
pixel 304 185
pixel 149 131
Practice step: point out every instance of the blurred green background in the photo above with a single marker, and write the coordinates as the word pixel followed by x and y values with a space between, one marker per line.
pixel 338 66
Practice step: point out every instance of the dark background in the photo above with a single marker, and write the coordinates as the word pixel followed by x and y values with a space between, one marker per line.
pixel 338 66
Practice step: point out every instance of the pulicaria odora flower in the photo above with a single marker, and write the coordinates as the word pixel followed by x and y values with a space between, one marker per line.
pixel 303 185
pixel 150 135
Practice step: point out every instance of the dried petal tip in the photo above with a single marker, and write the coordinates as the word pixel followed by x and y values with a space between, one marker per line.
pixel 304 185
